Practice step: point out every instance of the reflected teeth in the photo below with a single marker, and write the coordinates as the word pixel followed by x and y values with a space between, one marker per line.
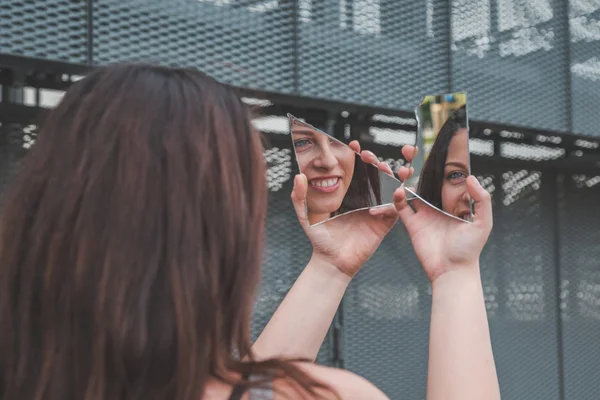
pixel 324 182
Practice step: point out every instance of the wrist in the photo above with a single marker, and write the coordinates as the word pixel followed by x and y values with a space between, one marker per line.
pixel 457 277
pixel 324 269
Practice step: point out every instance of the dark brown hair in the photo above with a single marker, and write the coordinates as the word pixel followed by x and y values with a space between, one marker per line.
pixel 131 243
pixel 365 188
pixel 432 174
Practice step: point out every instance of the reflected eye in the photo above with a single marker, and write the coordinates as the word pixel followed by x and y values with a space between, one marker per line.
pixel 301 143
pixel 456 176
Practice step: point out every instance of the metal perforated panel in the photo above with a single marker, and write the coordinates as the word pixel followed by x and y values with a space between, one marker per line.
pixel 378 52
pixel 579 199
pixel 524 329
pixel 51 29
pixel 385 313
pixel 247 44
pixel 529 63
pixel 585 66
pixel 386 320
pixel 510 56
pixel 387 309
pixel 287 249
pixel 14 139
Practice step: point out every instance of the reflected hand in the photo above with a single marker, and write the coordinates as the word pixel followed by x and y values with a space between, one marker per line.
pixel 409 153
pixel 348 241
pixel 442 243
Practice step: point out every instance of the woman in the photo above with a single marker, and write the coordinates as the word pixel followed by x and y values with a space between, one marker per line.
pixel 338 182
pixel 444 175
pixel 131 246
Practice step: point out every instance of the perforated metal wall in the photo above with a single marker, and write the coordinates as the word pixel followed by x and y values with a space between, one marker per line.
pixel 510 56
pixel 523 63
pixel 584 20
pixel 247 43
pixel 12 151
pixel 390 299
pixel 545 232
pixel 579 191
pixel 528 63
pixel 524 329
pixel 379 52
pixel 287 251
pixel 51 29
pixel 386 320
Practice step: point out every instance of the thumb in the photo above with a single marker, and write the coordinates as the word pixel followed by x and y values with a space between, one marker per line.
pixel 299 199
pixel 483 203
pixel 401 205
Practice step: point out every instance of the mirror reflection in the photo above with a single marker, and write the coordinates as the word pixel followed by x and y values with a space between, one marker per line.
pixel 339 181
pixel 442 164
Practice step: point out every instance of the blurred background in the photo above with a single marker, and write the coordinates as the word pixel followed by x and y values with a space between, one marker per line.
pixel 357 69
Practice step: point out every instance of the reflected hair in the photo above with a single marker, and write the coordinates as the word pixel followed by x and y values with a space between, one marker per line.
pixel 364 190
pixel 432 174
pixel 131 244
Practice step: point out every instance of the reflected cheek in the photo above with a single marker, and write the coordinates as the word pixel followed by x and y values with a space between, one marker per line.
pixel 324 203
pixel 346 161
pixel 304 160
pixel 451 195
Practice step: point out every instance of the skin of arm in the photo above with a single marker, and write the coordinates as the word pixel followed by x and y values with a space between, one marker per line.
pixel 341 247
pixel 300 324
pixel 461 362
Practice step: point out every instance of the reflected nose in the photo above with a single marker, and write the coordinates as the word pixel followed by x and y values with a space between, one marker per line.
pixel 465 197
pixel 326 159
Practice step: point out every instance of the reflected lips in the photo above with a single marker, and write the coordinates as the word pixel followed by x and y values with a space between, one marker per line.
pixel 326 185
pixel 466 215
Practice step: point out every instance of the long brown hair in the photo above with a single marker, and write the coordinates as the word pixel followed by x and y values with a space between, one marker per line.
pixel 432 174
pixel 130 243
pixel 364 190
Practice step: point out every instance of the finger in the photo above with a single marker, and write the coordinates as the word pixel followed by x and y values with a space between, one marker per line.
pixel 405 173
pixel 401 205
pixel 388 211
pixel 299 199
pixel 354 145
pixel 483 202
pixel 383 166
pixel 368 157
pixel 417 203
pixel 409 152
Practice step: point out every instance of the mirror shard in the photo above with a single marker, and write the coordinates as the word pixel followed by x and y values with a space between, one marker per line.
pixel 442 163
pixel 339 181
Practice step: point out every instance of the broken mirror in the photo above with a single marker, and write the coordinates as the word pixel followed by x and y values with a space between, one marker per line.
pixel 442 163
pixel 339 181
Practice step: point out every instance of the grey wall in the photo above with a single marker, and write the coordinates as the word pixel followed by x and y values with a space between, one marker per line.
pixel 525 63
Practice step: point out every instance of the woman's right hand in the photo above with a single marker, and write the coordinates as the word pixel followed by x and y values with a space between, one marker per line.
pixel 349 240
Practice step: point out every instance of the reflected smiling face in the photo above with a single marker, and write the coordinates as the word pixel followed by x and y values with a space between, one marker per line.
pixel 455 198
pixel 328 166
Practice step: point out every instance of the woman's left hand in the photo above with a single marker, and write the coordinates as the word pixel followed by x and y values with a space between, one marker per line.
pixel 348 241
pixel 442 243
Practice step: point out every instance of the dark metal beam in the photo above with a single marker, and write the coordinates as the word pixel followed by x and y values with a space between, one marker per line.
pixel 26 71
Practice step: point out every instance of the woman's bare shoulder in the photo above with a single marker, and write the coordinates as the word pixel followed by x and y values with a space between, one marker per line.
pixel 348 385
